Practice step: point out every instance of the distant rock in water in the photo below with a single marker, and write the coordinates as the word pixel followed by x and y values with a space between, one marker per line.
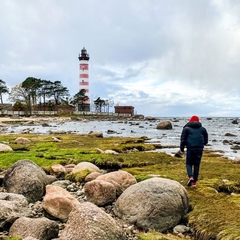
pixel 96 134
pixel 164 125
pixel 235 121
pixel 149 118
pixel 230 135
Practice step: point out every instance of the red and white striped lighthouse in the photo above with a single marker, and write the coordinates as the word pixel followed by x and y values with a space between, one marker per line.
pixel 84 76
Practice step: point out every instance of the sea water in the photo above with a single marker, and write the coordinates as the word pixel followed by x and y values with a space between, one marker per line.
pixel 219 129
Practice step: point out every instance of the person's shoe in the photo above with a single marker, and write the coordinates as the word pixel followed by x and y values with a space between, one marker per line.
pixel 194 184
pixel 190 181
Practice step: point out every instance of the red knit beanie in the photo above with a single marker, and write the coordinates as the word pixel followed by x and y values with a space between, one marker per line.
pixel 194 119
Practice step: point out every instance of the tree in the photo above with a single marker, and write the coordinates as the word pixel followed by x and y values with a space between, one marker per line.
pixel 32 90
pixel 103 105
pixel 19 96
pixel 58 92
pixel 3 89
pixel 44 91
pixel 79 99
pixel 99 104
pixel 31 86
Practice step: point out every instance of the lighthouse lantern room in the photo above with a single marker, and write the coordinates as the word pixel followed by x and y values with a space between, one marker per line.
pixel 84 80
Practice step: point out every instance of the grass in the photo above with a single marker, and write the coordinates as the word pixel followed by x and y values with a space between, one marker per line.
pixel 215 203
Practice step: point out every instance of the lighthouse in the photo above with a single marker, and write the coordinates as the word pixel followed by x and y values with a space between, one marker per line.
pixel 84 79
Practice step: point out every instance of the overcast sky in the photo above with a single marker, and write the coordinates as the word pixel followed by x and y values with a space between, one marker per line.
pixel 164 57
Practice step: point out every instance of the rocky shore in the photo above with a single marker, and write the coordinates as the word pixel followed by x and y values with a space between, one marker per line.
pixel 219 188
pixel 100 205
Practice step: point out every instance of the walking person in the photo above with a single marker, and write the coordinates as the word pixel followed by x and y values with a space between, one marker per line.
pixel 194 136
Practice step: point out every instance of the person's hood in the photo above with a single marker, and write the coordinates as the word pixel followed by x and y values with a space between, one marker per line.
pixel 194 119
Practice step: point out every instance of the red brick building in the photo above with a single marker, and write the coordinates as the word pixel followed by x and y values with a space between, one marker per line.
pixel 124 110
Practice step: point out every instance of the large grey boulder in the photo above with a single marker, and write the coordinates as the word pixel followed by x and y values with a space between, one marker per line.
pixel 156 203
pixel 12 207
pixel 87 221
pixel 38 228
pixel 27 178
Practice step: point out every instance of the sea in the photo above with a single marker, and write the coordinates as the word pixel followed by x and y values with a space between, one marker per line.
pixel 224 133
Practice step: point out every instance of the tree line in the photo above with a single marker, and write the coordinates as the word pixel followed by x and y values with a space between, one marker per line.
pixel 38 94
pixel 35 94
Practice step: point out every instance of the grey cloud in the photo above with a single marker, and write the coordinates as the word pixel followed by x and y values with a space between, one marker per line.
pixel 142 43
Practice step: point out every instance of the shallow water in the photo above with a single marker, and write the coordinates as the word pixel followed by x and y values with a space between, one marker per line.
pixel 216 127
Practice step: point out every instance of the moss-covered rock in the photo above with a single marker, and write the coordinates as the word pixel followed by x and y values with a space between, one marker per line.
pixel 78 176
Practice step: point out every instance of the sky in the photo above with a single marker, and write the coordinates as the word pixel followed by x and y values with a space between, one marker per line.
pixel 165 58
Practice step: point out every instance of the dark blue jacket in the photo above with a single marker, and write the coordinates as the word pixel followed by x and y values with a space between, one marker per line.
pixel 193 136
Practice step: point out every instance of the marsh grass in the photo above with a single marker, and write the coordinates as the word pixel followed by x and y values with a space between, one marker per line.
pixel 214 203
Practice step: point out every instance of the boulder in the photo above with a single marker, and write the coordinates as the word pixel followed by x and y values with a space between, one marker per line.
pixel 58 170
pixel 235 121
pixel 38 228
pixel 55 139
pixel 164 125
pixel 149 118
pixel 22 140
pixel 58 202
pixel 69 167
pixel 230 135
pixel 120 179
pixel 92 176
pixel 108 151
pixel 62 183
pixel 12 207
pixel 236 160
pixel 27 178
pixel 235 147
pixel 96 134
pixel 87 221
pixel 100 192
pixel 5 147
pixel 57 132
pixel 156 203
pixel 85 166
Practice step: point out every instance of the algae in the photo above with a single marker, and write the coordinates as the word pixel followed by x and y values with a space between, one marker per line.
pixel 215 202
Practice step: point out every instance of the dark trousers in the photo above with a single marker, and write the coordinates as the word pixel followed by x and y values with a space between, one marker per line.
pixel 193 160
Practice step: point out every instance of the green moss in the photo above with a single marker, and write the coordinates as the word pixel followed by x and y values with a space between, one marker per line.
pixel 153 235
pixel 13 238
pixel 78 176
pixel 215 203
pixel 142 177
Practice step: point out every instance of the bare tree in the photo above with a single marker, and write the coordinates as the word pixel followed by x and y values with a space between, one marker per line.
pixel 3 89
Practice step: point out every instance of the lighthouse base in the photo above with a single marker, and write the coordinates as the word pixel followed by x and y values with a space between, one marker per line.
pixel 83 107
